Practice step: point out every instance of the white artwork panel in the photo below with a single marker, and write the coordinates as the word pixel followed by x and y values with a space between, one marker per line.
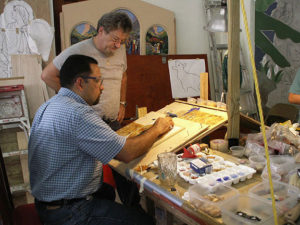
pixel 185 77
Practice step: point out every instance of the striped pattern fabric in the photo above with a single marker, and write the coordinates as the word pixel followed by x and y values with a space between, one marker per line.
pixel 68 144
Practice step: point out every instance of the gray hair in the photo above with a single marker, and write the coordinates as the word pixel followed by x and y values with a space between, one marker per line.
pixel 114 21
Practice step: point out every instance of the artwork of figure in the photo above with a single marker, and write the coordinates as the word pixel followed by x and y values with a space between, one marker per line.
pixel 156 41
pixel 185 77
pixel 4 58
pixel 21 34
pixel 133 41
pixel 17 15
pixel 81 32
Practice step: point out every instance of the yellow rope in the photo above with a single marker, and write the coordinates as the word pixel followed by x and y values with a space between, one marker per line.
pixel 260 111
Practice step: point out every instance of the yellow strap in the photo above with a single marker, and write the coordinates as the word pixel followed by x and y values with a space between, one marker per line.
pixel 260 111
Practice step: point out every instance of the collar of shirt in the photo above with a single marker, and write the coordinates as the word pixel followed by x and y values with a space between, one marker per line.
pixel 67 92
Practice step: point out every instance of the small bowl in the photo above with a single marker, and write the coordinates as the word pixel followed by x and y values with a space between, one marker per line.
pixel 237 151
pixel 257 162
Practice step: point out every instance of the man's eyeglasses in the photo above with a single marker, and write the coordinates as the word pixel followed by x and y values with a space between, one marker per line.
pixel 97 79
pixel 116 39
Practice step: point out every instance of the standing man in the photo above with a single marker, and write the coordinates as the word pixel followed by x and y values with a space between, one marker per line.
pixel 108 48
pixel 67 146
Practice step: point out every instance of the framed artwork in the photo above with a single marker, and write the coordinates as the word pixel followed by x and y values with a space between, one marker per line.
pixel 133 42
pixel 82 31
pixel 156 41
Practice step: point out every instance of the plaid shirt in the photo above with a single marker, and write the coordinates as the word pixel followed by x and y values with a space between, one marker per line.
pixel 67 146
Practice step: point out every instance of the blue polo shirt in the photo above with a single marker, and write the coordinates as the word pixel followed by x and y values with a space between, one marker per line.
pixel 67 146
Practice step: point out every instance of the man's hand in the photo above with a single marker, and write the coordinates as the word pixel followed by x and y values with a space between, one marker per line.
pixel 121 113
pixel 136 146
pixel 163 125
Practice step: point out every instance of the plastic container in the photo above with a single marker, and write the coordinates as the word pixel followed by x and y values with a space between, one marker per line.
pixel 250 205
pixel 286 196
pixel 237 151
pixel 265 176
pixel 282 164
pixel 209 200
pixel 257 162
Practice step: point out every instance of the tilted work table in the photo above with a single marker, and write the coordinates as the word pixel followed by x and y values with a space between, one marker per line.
pixel 153 189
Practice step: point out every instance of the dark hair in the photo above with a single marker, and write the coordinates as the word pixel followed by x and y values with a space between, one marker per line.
pixel 115 20
pixel 75 66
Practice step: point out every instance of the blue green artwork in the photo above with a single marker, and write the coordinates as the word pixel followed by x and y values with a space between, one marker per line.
pixel 133 41
pixel 81 32
pixel 156 41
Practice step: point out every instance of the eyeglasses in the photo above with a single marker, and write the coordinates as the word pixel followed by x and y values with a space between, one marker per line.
pixel 116 39
pixel 97 79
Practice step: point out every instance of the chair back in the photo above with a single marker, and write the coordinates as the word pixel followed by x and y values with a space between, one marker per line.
pixel 282 112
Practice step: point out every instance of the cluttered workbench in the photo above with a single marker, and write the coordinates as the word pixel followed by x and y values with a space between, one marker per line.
pixel 221 192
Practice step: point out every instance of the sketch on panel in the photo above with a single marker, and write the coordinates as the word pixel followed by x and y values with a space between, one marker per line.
pixel 82 31
pixel 185 77
pixel 156 41
pixel 4 57
pixel 13 36
pixel 21 34
pixel 133 41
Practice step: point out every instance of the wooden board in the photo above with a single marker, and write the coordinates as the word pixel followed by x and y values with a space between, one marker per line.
pixel 145 123
pixel 189 131
pixel 204 86
pixel 30 66
pixel 147 14
pixel 23 145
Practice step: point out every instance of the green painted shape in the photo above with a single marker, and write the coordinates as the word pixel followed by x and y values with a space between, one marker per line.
pixel 263 5
pixel 282 31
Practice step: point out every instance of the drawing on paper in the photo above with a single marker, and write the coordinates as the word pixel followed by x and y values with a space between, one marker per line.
pixel 185 77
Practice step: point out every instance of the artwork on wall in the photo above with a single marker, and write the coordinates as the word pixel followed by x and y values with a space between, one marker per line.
pixel 277 39
pixel 156 41
pixel 133 42
pixel 81 32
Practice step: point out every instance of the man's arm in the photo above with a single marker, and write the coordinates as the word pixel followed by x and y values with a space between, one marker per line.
pixel 121 113
pixel 136 146
pixel 50 76
pixel 294 98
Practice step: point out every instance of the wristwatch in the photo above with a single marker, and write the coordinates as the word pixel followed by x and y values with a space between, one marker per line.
pixel 123 103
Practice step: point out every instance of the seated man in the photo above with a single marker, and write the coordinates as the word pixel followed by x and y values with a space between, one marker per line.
pixel 69 143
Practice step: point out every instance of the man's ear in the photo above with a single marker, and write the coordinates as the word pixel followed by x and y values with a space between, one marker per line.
pixel 79 83
pixel 101 30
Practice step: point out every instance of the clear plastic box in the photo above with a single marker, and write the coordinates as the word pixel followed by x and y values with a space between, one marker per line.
pixel 250 205
pixel 209 200
pixel 286 196
pixel 282 164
